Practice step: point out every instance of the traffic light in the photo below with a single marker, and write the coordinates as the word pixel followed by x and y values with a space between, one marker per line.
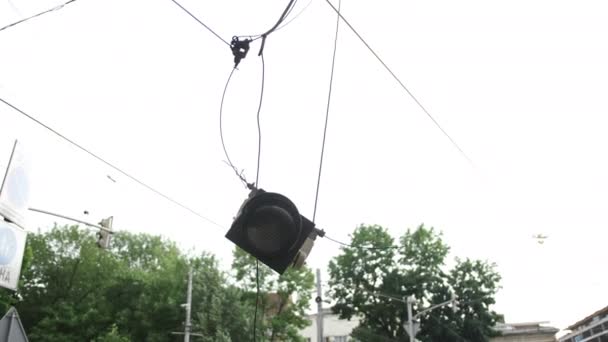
pixel 105 234
pixel 269 227
pixel 454 302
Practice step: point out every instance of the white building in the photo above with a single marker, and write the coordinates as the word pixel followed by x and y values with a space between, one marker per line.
pixel 593 328
pixel 337 330
pixel 334 329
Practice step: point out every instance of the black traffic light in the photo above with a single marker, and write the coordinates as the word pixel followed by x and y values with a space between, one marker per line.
pixel 269 227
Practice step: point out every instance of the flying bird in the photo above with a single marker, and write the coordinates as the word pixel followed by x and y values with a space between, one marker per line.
pixel 540 238
pixel 110 178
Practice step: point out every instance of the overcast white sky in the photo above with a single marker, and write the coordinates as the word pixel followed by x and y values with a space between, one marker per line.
pixel 520 85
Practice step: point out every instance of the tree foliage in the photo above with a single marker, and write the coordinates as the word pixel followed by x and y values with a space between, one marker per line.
pixel 71 290
pixel 282 300
pixel 362 280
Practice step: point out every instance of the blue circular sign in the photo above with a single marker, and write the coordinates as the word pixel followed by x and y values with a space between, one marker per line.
pixel 8 245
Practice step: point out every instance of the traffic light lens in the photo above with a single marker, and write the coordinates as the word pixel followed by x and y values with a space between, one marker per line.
pixel 271 230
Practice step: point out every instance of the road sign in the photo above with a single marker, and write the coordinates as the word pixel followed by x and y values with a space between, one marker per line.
pixel 15 188
pixel 11 329
pixel 12 246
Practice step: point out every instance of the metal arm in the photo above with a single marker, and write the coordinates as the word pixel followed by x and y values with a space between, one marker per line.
pixel 434 307
pixel 72 219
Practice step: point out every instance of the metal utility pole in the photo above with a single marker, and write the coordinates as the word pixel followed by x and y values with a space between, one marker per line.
pixel 413 326
pixel 188 325
pixel 188 305
pixel 319 301
pixel 410 320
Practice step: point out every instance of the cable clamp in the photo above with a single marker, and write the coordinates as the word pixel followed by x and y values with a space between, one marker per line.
pixel 239 49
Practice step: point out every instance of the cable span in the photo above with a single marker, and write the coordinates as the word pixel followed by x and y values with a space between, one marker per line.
pixel 362 247
pixel 294 17
pixel 331 82
pixel 200 22
pixel 37 15
pixel 400 83
pixel 124 173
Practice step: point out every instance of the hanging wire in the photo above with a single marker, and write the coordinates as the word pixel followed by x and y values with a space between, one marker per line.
pixel 200 22
pixel 331 82
pixel 239 174
pixel 257 177
pixel 400 83
pixel 257 174
pixel 37 15
pixel 124 173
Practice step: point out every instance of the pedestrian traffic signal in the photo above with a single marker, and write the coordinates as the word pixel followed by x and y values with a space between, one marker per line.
pixel 269 227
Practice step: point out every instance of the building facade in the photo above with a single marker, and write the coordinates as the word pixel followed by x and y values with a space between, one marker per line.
pixel 593 328
pixel 334 329
pixel 525 332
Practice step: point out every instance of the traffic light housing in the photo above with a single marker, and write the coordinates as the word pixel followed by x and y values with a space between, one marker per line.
pixel 454 302
pixel 104 235
pixel 269 227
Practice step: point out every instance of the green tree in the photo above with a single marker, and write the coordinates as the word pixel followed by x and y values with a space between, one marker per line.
pixel 218 312
pixel 74 291
pixel 283 300
pixel 113 336
pixel 362 279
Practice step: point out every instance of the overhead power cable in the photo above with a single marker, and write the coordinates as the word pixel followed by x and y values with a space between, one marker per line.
pixel 257 180
pixel 200 22
pixel 240 44
pixel 258 36
pixel 37 15
pixel 331 82
pixel 124 173
pixel 274 28
pixel 400 83
pixel 361 247
pixel 294 17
